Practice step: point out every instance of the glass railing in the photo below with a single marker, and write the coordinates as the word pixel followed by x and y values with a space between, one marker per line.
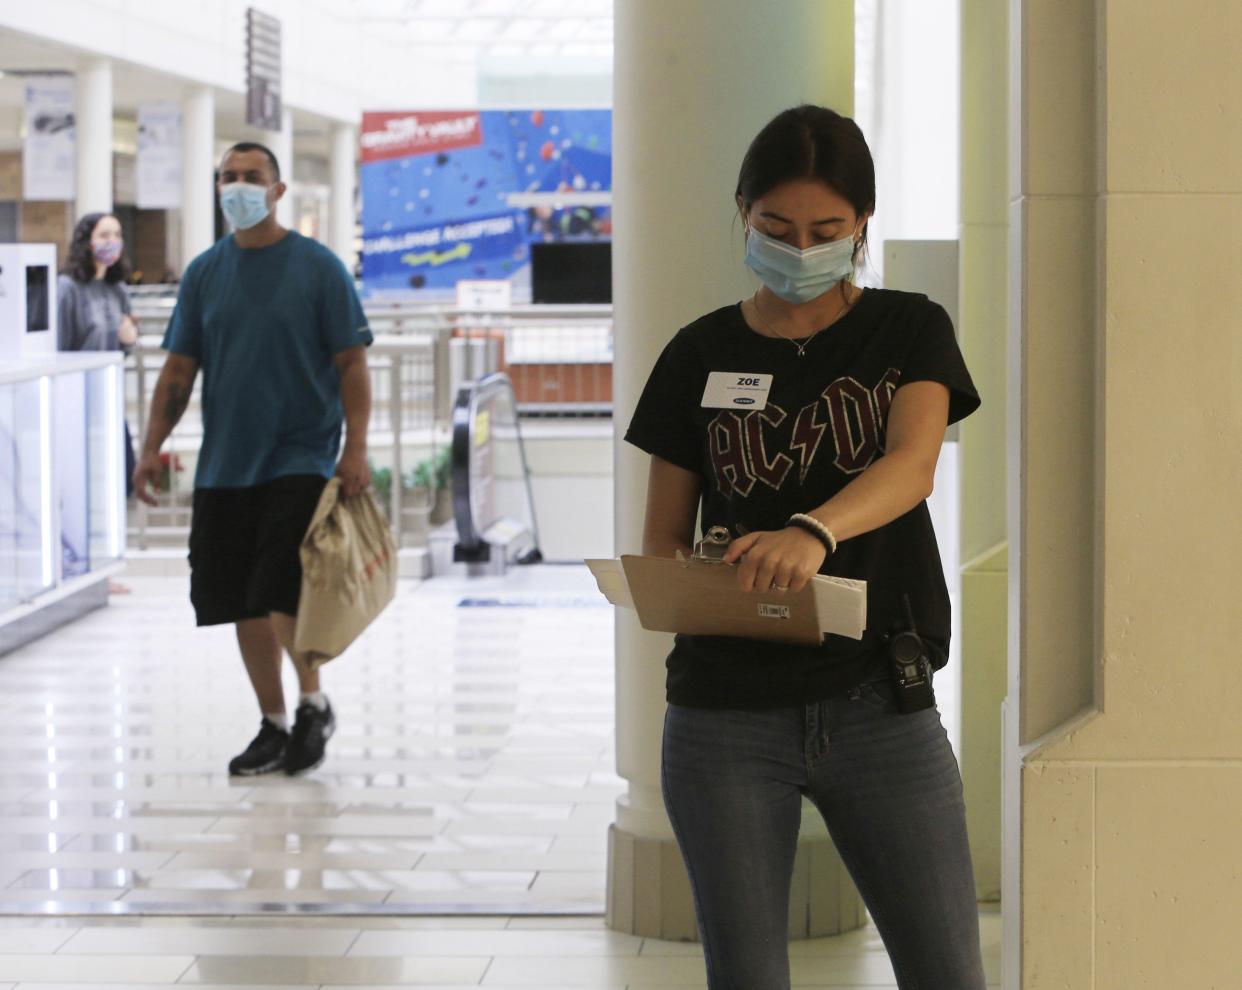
pixel 62 473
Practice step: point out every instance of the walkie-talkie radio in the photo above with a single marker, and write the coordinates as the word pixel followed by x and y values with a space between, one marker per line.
pixel 911 667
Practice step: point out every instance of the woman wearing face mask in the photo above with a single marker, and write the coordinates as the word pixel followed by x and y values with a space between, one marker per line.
pixel 94 311
pixel 824 470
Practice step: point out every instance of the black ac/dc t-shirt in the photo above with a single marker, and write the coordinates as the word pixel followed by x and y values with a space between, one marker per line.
pixel 823 424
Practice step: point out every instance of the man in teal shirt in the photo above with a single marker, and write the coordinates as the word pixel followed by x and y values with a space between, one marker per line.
pixel 272 320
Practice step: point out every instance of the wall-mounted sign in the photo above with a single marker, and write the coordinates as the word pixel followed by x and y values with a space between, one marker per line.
pixel 484 295
pixel 263 104
pixel 158 177
pixel 48 157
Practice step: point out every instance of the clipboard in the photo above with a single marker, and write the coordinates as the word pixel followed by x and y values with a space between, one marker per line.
pixel 701 597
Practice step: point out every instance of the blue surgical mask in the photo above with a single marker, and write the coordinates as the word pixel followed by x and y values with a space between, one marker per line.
pixel 244 205
pixel 799 276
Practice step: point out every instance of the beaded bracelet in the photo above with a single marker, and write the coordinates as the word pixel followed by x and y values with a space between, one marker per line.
pixel 817 529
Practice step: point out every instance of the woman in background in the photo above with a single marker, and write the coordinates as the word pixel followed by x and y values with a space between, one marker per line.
pixel 94 311
pixel 93 307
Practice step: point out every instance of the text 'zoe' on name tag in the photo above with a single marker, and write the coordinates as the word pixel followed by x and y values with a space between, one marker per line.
pixel 736 390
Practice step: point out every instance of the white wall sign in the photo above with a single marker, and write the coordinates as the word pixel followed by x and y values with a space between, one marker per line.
pixel 484 294
pixel 48 162
pixel 159 156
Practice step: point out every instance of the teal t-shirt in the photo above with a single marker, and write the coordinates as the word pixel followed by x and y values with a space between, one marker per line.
pixel 264 325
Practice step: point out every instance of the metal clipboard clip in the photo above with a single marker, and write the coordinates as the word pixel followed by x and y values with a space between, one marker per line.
pixel 711 549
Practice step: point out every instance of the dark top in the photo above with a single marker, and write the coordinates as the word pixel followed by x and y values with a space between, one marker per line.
pixel 823 425
pixel 88 314
pixel 264 324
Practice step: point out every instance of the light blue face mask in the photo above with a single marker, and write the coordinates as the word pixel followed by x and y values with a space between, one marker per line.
pixel 799 276
pixel 244 205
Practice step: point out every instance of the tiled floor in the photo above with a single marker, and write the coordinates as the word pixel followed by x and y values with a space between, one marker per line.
pixel 328 953
pixel 472 769
pixel 471 775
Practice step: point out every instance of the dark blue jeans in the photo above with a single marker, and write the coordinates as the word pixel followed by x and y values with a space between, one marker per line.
pixel 889 790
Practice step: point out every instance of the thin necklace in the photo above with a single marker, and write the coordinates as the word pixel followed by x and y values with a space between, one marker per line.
pixel 800 345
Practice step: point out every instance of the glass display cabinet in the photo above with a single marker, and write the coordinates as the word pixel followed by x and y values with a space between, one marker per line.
pixel 62 489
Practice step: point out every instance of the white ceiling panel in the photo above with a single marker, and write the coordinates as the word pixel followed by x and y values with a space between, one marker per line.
pixel 464 30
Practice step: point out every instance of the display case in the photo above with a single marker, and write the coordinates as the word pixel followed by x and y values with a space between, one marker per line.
pixel 27 301
pixel 62 489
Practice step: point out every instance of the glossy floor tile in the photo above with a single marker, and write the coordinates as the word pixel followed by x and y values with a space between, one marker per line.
pixel 456 835
pixel 257 953
pixel 475 735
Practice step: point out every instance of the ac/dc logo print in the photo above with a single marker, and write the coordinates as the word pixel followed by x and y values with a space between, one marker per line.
pixel 764 446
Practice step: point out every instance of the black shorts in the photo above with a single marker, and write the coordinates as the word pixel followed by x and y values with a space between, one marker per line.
pixel 244 542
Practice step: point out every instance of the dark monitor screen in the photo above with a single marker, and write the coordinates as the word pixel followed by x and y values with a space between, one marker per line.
pixel 37 308
pixel 571 272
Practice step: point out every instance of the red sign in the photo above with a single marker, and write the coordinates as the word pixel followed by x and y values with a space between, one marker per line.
pixel 415 132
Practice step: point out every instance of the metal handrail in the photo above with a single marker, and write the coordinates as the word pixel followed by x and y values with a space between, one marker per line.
pixel 158 301
pixel 165 296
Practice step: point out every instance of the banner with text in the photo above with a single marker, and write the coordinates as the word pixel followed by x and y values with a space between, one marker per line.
pixel 48 156
pixel 452 195
pixel 158 177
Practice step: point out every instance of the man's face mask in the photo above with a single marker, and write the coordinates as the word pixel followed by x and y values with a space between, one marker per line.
pixel 243 204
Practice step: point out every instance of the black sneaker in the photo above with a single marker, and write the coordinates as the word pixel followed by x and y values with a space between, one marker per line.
pixel 312 729
pixel 265 753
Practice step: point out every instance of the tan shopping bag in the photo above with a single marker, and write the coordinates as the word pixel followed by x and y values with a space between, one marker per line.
pixel 349 573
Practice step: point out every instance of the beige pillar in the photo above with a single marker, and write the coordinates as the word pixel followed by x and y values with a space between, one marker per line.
pixel 93 136
pixel 693 83
pixel 341 215
pixel 198 165
pixel 1123 742
pixel 981 465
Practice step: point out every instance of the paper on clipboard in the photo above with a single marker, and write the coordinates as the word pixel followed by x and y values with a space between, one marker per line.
pixel 702 598
pixel 611 580
pixel 841 604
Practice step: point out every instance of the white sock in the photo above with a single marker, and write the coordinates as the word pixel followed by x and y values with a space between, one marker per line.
pixel 280 720
pixel 316 698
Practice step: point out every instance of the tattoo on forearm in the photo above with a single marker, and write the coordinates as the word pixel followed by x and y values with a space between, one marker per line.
pixel 175 400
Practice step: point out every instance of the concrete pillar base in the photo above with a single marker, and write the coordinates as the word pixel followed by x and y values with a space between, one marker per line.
pixel 984 608
pixel 649 892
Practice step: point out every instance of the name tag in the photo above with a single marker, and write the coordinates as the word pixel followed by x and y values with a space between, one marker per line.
pixel 736 390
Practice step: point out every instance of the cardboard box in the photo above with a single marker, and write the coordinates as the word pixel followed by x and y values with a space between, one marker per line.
pixel 702 598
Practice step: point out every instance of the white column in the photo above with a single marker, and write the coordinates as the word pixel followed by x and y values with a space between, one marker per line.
pixel 93 136
pixel 694 81
pixel 281 143
pixel 198 203
pixel 1126 759
pixel 341 216
pixel 983 307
